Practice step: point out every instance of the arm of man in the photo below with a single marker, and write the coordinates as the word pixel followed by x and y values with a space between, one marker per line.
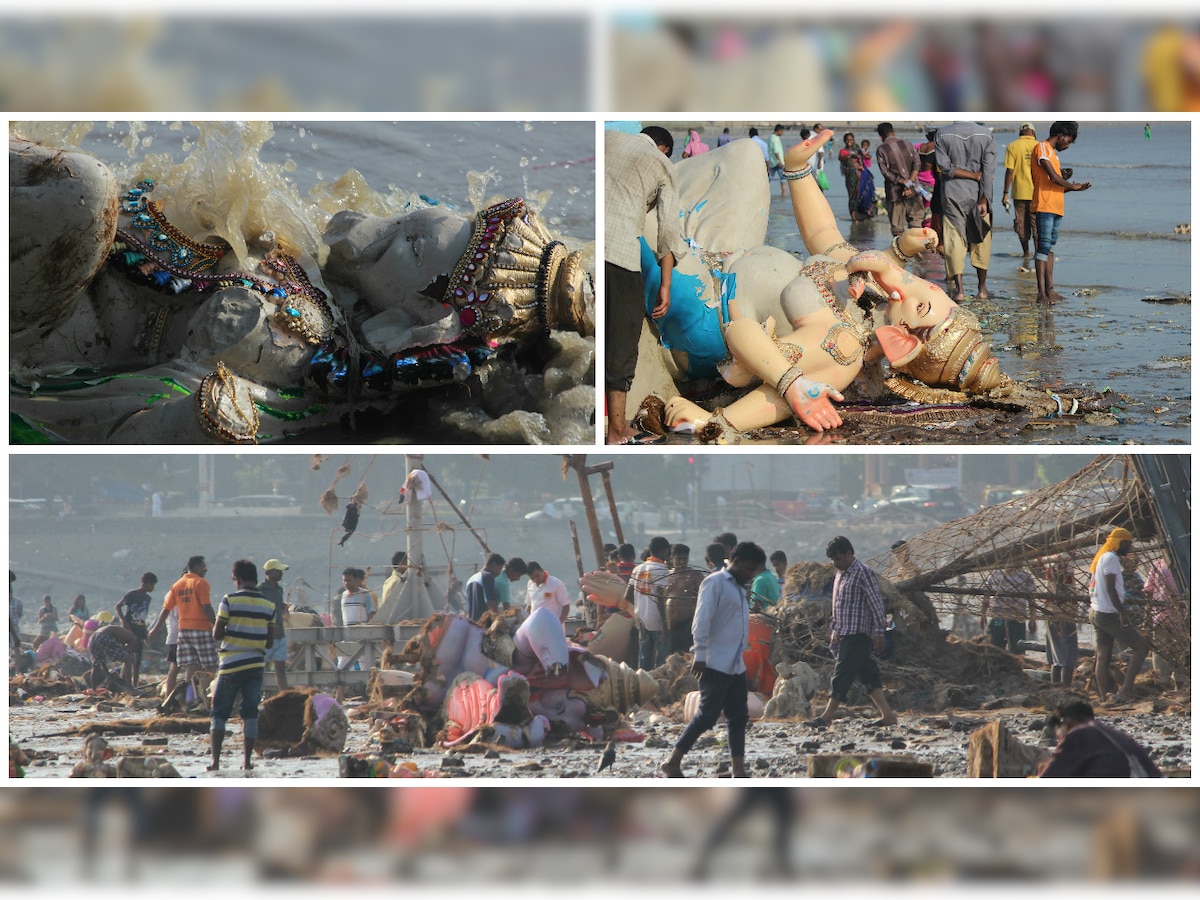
pixel 564 601
pixel 1057 179
pixel 888 167
pixel 205 601
pixel 168 604
pixel 218 630
pixel 702 624
pixel 666 266
pixel 489 591
pixel 1110 582
pixel 988 170
pixel 878 611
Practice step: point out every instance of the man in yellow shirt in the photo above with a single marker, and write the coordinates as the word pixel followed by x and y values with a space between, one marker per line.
pixel 1019 179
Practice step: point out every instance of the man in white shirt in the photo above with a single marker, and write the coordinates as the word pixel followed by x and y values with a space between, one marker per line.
pixel 647 590
pixel 546 590
pixel 1109 617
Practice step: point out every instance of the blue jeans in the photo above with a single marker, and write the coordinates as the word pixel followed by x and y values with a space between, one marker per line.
pixel 651 645
pixel 248 683
pixel 1047 234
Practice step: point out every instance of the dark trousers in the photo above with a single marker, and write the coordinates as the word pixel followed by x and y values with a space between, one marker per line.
pixel 1007 632
pixel 625 310
pixel 720 693
pixel 855 659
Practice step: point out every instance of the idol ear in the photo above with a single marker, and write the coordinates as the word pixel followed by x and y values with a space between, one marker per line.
pixel 899 345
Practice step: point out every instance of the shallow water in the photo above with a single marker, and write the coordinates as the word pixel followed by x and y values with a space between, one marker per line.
pixel 1117 251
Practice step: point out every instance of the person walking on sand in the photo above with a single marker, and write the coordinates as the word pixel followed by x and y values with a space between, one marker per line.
pixel 133 610
pixel 1109 616
pixel 1049 202
pixel 191 596
pixel 720 633
pixel 859 622
pixel 271 588
pixel 1018 178
pixel 966 156
pixel 899 164
pixel 775 158
pixel 243 629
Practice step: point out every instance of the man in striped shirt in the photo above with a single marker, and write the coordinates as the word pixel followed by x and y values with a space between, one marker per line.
pixel 859 622
pixel 243 631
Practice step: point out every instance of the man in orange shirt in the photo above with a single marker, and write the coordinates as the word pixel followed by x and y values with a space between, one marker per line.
pixel 1048 204
pixel 190 595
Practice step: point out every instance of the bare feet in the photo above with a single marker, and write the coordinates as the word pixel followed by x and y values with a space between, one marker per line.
pixel 670 770
pixel 1054 295
pixel 983 294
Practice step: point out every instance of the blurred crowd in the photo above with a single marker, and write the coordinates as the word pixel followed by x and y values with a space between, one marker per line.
pixel 942 63
pixel 454 835
pixel 516 61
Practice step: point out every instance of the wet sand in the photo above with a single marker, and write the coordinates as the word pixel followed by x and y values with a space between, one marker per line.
pixel 774 749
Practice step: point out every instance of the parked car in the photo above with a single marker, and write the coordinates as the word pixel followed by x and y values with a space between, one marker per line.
pixel 941 503
pixel 996 494
pixel 560 510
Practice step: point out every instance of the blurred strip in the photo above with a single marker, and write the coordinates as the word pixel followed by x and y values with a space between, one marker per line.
pixel 351 62
pixel 452 835
pixel 944 64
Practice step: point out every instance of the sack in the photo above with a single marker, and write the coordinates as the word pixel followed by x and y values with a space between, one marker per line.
pixel 822 180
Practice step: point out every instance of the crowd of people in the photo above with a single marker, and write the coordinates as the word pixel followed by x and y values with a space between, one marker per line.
pixel 675 607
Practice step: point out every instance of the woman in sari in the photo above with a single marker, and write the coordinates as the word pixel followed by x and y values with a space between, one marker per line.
pixel 860 184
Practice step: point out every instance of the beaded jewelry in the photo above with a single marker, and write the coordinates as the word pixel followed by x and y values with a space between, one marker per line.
pixel 303 307
pixel 787 379
pixel 186 256
pixel 215 388
pixel 830 344
pixel 797 174
pixel 840 245
pixel 900 254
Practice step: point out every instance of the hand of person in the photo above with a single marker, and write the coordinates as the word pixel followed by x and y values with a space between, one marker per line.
pixel 699 668
pixel 1081 185
pixel 799 154
pixel 810 401
pixel 664 303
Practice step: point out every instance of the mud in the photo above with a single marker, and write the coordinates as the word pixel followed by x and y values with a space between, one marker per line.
pixel 957 687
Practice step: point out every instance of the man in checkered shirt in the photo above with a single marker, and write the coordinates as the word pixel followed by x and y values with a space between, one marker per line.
pixel 859 622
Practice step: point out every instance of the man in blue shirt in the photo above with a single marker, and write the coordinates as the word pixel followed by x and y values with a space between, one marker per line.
pixel 481 589
pixel 720 631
